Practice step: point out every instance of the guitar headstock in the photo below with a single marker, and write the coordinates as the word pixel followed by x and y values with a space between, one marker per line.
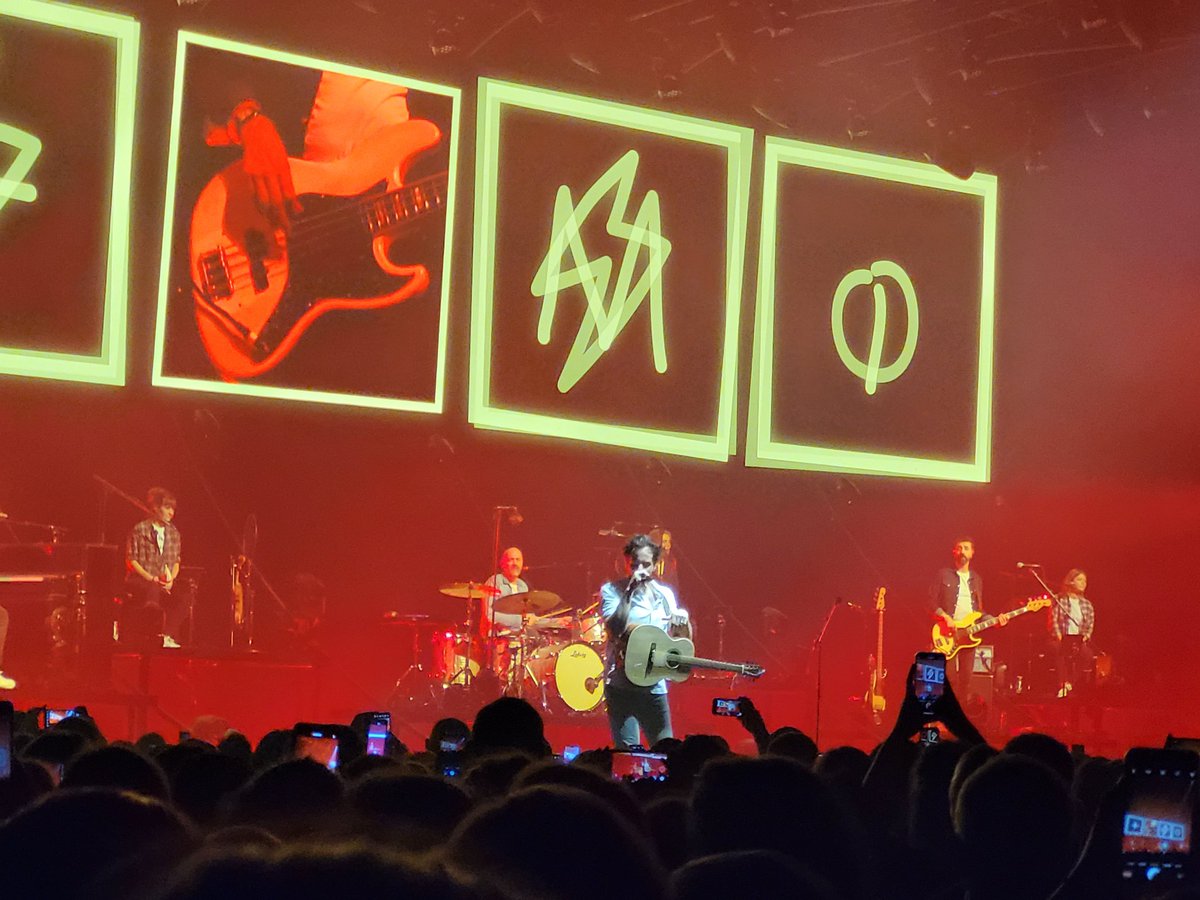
pixel 750 670
pixel 1036 603
pixel 878 598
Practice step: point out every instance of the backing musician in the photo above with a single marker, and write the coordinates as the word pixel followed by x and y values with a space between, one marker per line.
pixel 1072 621
pixel 639 599
pixel 152 554
pixel 954 594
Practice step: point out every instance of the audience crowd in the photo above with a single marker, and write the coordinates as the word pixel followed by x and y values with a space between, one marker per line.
pixel 503 817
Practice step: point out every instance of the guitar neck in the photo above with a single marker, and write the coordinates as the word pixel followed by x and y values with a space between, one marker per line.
pixel 697 662
pixel 405 204
pixel 983 626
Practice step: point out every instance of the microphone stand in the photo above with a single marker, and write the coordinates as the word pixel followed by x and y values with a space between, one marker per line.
pixel 817 645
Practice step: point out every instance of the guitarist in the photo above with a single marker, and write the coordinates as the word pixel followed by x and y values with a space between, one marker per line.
pixel 639 599
pixel 955 593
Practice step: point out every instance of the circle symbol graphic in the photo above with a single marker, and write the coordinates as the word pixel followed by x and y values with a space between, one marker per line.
pixel 870 371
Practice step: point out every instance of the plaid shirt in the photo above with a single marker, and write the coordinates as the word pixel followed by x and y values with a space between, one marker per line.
pixel 142 548
pixel 1060 617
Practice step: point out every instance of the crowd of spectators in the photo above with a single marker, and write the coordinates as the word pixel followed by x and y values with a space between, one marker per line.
pixel 504 817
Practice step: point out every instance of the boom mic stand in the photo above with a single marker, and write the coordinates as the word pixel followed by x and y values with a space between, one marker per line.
pixel 816 646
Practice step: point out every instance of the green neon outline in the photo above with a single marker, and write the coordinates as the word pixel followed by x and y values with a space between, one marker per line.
pixel 870 372
pixel 737 141
pixel 249 389
pixel 762 450
pixel 109 366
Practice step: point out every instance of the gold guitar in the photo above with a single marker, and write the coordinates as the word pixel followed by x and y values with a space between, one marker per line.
pixel 962 636
pixel 874 699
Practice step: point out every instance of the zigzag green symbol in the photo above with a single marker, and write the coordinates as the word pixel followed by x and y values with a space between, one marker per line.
pixel 600 322
pixel 12 182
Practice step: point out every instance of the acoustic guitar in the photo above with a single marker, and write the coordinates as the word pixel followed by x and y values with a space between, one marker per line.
pixel 650 655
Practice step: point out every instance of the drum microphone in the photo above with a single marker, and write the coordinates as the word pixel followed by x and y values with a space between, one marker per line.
pixel 1029 565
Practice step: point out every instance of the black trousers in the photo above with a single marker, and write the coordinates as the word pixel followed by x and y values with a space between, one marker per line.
pixel 151 611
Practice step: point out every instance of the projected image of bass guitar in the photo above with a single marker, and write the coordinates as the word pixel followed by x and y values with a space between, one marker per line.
pixel 650 655
pixel 257 289
pixel 962 636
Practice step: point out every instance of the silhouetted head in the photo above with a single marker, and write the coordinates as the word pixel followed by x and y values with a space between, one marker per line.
pixel 122 768
pixel 492 849
pixel 794 744
pixel 1014 819
pixel 772 803
pixel 62 844
pixel 1044 748
pixel 762 874
pixel 408 812
pixel 509 724
pixel 295 799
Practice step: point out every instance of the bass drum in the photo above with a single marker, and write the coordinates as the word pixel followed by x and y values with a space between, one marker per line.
pixel 579 677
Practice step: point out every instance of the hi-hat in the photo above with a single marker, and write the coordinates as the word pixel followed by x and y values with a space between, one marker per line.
pixel 527 602
pixel 464 590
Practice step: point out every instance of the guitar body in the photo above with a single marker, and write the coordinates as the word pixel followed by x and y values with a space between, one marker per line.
pixel 257 290
pixel 648 655
pixel 951 640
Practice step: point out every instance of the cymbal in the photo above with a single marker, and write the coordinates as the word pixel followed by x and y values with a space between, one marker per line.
pixel 529 601
pixel 464 590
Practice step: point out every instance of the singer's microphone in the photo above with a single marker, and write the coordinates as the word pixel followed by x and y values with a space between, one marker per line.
pixel 849 604
pixel 1029 565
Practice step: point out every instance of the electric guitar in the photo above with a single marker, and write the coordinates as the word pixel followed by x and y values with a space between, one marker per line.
pixel 652 655
pixel 962 636
pixel 257 289
pixel 874 699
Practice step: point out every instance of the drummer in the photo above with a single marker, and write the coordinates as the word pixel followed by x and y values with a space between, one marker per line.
pixel 507 581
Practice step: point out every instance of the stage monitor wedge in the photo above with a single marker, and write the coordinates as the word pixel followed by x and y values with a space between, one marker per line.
pixel 66 158
pixel 341 298
pixel 609 248
pixel 874 330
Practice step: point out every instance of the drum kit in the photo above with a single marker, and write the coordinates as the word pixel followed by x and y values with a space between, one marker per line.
pixel 555 659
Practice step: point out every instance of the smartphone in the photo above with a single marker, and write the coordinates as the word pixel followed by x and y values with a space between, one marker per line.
pixel 929 680
pixel 318 743
pixel 454 746
pixel 6 734
pixel 1156 826
pixel 727 706
pixel 54 716
pixel 570 752
pixel 449 763
pixel 378 727
pixel 636 765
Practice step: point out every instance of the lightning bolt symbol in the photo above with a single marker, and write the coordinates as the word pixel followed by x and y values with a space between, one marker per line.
pixel 603 322
pixel 12 182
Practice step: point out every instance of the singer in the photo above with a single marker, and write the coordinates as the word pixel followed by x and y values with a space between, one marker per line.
pixel 639 599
